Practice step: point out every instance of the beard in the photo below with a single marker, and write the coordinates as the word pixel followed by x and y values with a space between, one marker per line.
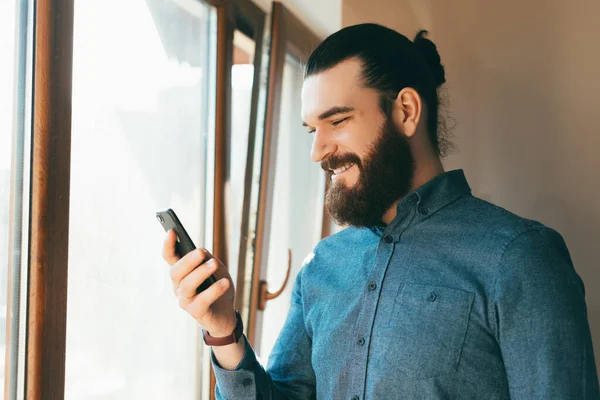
pixel 385 176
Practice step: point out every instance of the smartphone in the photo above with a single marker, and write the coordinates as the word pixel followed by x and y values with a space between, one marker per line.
pixel 184 244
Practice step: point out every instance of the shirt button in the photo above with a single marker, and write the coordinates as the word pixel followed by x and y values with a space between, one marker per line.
pixel 355 398
pixel 424 210
pixel 247 382
pixel 431 296
pixel 360 341
pixel 372 286
pixel 388 238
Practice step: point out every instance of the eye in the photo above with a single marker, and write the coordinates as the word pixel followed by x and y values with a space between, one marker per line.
pixel 311 131
pixel 339 121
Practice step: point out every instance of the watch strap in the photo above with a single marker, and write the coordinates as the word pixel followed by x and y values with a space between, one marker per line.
pixel 224 341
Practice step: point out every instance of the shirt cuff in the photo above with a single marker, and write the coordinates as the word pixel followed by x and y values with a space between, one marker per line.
pixel 239 383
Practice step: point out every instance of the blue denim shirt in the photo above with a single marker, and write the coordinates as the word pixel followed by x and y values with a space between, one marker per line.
pixel 454 299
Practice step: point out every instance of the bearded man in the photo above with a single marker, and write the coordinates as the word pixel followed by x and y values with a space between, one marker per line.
pixel 430 292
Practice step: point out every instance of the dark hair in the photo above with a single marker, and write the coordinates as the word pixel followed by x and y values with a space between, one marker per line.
pixel 391 62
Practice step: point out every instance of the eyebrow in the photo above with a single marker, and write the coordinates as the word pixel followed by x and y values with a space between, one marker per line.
pixel 333 111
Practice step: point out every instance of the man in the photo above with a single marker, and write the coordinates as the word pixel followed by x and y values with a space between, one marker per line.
pixel 431 293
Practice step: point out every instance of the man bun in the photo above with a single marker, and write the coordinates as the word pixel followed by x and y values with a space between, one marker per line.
pixel 429 51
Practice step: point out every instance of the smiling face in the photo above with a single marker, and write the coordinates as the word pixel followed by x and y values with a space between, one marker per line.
pixel 344 118
pixel 368 160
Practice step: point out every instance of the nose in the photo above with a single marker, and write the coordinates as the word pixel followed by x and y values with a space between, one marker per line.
pixel 322 146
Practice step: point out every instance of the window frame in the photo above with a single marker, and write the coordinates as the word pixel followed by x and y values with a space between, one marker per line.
pixel 250 16
pixel 49 215
pixel 247 16
pixel 50 167
pixel 288 35
pixel 19 197
pixel 50 188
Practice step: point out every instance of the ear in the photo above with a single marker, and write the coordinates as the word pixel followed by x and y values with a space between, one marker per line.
pixel 407 111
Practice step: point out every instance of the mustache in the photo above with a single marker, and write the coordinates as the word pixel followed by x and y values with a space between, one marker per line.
pixel 333 162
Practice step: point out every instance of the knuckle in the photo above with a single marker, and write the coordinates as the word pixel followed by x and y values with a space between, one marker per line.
pixel 195 255
pixel 203 272
pixel 186 286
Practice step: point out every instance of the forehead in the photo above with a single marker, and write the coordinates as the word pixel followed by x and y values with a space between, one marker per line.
pixel 337 86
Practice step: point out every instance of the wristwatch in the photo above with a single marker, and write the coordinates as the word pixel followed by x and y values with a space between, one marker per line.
pixel 224 341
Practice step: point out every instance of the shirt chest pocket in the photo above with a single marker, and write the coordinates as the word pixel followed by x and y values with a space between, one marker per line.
pixel 429 324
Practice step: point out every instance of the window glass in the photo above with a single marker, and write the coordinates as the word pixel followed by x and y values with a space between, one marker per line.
pixel 7 55
pixel 143 115
pixel 242 80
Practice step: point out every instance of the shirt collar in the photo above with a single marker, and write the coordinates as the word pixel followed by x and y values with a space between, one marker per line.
pixel 441 191
pixel 427 200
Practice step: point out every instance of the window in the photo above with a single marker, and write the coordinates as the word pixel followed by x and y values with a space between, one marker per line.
pixel 242 80
pixel 16 45
pixel 290 213
pixel 7 108
pixel 298 194
pixel 166 107
pixel 243 150
pixel 143 119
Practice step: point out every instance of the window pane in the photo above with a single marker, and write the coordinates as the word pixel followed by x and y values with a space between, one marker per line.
pixel 244 292
pixel 242 79
pixel 142 117
pixel 7 55
pixel 297 215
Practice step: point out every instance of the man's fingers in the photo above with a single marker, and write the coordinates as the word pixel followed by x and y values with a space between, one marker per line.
pixel 186 265
pixel 189 284
pixel 208 253
pixel 168 252
pixel 205 299
pixel 184 302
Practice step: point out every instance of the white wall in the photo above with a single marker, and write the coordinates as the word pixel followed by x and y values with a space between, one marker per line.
pixel 524 85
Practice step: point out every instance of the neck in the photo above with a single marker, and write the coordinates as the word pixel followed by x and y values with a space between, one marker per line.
pixel 424 172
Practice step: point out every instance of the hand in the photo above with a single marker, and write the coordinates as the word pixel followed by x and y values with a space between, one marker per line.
pixel 213 308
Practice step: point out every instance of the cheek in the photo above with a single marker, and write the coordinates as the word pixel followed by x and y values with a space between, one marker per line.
pixel 358 138
pixel 350 143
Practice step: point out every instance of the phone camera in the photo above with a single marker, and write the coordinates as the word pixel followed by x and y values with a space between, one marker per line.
pixel 160 218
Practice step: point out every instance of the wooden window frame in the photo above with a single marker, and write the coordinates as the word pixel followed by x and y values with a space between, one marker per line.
pixel 254 18
pixel 49 214
pixel 288 35
pixel 50 177
pixel 231 15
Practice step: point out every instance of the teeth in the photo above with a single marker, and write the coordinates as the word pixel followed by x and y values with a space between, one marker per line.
pixel 342 169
